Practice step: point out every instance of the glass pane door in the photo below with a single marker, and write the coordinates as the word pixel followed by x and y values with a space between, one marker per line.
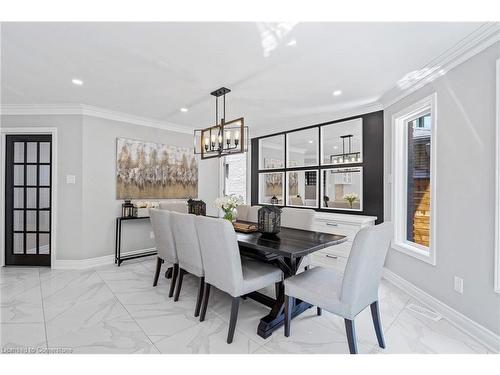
pixel 28 208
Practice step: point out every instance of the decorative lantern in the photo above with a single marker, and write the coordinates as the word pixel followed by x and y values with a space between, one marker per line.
pixel 197 207
pixel 269 220
pixel 274 200
pixel 128 209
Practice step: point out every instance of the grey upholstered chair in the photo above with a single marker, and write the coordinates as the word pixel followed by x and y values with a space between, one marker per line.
pixel 242 212
pixel 165 245
pixel 253 214
pixel 188 252
pixel 181 207
pixel 226 270
pixel 299 218
pixel 346 294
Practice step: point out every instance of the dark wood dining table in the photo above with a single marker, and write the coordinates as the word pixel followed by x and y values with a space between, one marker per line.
pixel 285 250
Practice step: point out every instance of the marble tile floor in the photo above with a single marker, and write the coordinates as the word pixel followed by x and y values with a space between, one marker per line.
pixel 117 310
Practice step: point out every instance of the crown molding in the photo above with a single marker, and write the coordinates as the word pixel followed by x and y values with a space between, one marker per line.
pixel 480 39
pixel 91 111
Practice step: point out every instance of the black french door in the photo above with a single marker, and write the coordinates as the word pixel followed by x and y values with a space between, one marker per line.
pixel 28 206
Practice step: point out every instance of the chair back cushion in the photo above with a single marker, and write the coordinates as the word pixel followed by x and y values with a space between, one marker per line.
pixel 186 243
pixel 364 267
pixel 220 253
pixel 181 207
pixel 164 239
pixel 242 212
pixel 253 214
pixel 297 218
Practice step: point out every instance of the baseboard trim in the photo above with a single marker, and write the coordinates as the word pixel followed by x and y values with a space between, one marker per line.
pixel 463 323
pixel 82 264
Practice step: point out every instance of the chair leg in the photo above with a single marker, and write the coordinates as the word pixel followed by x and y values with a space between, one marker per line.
pixel 319 311
pixel 168 272
pixel 204 304
pixel 201 287
pixel 351 336
pixel 174 279
pixel 159 262
pixel 377 324
pixel 277 287
pixel 288 314
pixel 179 285
pixel 232 321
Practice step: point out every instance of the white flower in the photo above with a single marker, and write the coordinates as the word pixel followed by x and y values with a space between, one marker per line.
pixel 228 202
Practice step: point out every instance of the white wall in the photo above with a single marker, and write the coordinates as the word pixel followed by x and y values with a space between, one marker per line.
pixel 87 209
pixel 465 190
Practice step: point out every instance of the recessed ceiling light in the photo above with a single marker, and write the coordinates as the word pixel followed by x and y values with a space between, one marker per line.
pixel 77 81
pixel 337 93
pixel 310 141
pixel 292 43
pixel 184 109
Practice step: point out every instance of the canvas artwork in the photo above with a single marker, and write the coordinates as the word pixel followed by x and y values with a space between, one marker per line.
pixel 155 171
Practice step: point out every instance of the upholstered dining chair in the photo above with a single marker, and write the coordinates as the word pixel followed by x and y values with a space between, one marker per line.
pixel 227 270
pixel 349 293
pixel 242 212
pixel 253 214
pixel 188 252
pixel 299 218
pixel 165 245
pixel 181 207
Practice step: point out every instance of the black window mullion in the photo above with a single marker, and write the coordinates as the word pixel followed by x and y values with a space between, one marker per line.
pixel 50 196
pixel 25 195
pixel 37 197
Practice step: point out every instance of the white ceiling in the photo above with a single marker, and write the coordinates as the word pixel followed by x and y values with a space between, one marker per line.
pixel 281 75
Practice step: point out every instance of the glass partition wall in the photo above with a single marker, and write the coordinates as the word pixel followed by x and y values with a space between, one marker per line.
pixel 318 167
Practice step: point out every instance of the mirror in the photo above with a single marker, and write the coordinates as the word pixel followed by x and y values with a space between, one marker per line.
pixel 342 189
pixel 271 188
pixel 342 142
pixel 302 148
pixel 272 152
pixel 302 188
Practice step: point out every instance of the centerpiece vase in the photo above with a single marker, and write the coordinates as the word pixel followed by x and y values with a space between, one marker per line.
pixel 230 215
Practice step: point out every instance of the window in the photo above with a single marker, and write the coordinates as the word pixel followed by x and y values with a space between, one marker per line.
pixel 302 189
pixel 414 182
pixel 300 168
pixel 235 175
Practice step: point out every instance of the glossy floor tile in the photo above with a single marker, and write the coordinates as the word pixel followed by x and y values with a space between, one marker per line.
pixel 112 309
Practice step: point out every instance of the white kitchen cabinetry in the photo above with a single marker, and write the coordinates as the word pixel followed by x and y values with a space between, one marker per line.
pixel 346 225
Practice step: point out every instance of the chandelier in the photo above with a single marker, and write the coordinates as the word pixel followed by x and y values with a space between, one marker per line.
pixel 223 138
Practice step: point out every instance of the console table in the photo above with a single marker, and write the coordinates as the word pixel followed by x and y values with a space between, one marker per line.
pixel 118 241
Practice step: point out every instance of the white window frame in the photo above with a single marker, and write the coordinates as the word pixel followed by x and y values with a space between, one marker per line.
pixel 497 185
pixel 400 179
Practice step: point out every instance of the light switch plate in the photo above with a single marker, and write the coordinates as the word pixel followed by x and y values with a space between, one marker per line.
pixel 70 179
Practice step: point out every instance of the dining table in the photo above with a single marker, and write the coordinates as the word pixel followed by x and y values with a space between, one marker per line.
pixel 286 250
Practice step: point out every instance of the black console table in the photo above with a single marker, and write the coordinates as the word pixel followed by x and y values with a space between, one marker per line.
pixel 118 241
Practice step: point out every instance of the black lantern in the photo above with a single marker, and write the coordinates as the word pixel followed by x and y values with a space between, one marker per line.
pixel 128 209
pixel 274 199
pixel 269 218
pixel 197 207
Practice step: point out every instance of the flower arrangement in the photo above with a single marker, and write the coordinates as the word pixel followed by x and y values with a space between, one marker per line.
pixel 351 198
pixel 228 204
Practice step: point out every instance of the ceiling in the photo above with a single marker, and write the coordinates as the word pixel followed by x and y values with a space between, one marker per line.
pixel 281 74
